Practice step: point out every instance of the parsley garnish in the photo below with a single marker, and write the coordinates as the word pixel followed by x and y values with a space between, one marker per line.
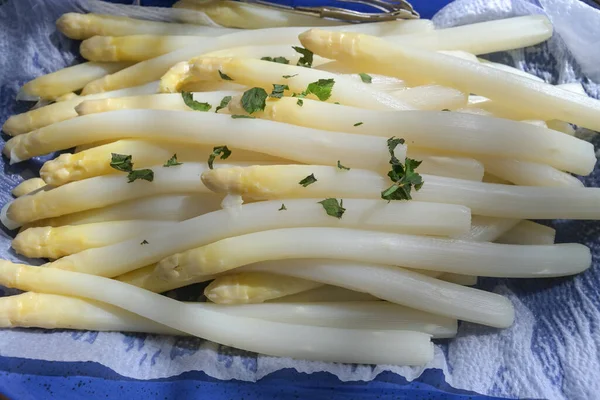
pixel 340 166
pixel 121 162
pixel 403 176
pixel 321 88
pixel 254 99
pixel 333 207
pixel 283 208
pixel 222 151
pixel 145 174
pixel 358 124
pixel 224 76
pixel 446 109
pixel 189 101
pixel 278 90
pixel 300 102
pixel 307 56
pixel 144 242
pixel 236 116
pixel 279 60
pixel 309 180
pixel 224 102
pixel 289 76
pixel 366 78
pixel 171 162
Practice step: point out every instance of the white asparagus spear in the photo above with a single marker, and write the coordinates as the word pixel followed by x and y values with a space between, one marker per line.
pixel 487 229
pixel 526 173
pixel 28 186
pixel 49 242
pixel 273 138
pixel 254 287
pixel 432 97
pixel 448 131
pixel 102 191
pixel 459 279
pixel 273 338
pixel 50 311
pixel 264 74
pixel 401 286
pixel 325 294
pixel 144 278
pixel 436 254
pixel 413 217
pixel 67 80
pixel 528 232
pixel 486 199
pixel 153 69
pixel 154 208
pixel 406 62
pixel 63 110
pixel 82 26
pixel 145 153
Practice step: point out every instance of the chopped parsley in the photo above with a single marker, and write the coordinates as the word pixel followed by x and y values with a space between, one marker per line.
pixel 237 116
pixel 222 151
pixel 446 109
pixel 224 102
pixel 224 76
pixel 340 166
pixel 279 60
pixel 366 78
pixel 358 124
pixel 121 162
pixel 333 207
pixel 392 143
pixel 321 88
pixel 283 208
pixel 144 242
pixel 309 180
pixel 289 76
pixel 300 102
pixel 278 90
pixel 403 175
pixel 189 101
pixel 254 99
pixel 171 162
pixel 145 174
pixel 307 56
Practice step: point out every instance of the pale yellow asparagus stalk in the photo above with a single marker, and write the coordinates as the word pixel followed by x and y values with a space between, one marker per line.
pixel 154 208
pixel 64 110
pixel 153 69
pixel 68 79
pixel 83 26
pixel 448 131
pixel 265 74
pixel 49 242
pixel 451 167
pixel 486 199
pixel 207 128
pixel 432 97
pixel 527 173
pixel 406 62
pixel 96 161
pixel 487 229
pixel 278 339
pixel 145 278
pixel 327 293
pixel 28 186
pixel 459 279
pixel 528 232
pixel 254 287
pixel 414 217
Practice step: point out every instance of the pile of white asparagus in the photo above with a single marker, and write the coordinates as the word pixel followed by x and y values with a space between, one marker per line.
pixel 283 164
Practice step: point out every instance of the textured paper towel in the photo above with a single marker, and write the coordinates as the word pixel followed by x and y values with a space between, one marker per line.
pixel 550 352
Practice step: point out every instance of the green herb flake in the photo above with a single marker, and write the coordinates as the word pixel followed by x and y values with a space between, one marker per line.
pixel 145 174
pixel 224 103
pixel 337 102
pixel 225 77
pixel 171 162
pixel 309 180
pixel 333 207
pixel 278 90
pixel 289 76
pixel 283 208
pixel 340 166
pixel 321 88
pixel 144 242
pixel 278 60
pixel 392 143
pixel 189 101
pixel 222 151
pixel 366 78
pixel 239 116
pixel 300 102
pixel 358 124
pixel 307 56
pixel 254 99
pixel 121 162
pixel 446 109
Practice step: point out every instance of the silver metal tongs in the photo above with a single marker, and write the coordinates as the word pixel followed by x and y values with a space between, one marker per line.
pixel 390 11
